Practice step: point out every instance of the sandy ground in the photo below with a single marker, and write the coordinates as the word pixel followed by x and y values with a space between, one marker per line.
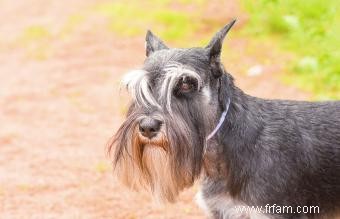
pixel 60 104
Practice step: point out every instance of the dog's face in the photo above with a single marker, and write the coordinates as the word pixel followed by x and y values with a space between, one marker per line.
pixel 176 103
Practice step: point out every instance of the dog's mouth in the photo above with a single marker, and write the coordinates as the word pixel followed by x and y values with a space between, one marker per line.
pixel 157 141
pixel 158 146
pixel 154 145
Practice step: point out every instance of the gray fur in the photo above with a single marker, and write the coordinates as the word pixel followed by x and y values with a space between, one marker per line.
pixel 281 152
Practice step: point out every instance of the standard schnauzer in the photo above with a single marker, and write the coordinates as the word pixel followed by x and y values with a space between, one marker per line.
pixel 188 120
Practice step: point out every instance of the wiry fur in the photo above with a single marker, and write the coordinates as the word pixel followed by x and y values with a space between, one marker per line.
pixel 173 72
pixel 164 165
pixel 266 152
pixel 137 84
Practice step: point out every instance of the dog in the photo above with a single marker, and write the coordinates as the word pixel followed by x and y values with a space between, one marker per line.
pixel 254 157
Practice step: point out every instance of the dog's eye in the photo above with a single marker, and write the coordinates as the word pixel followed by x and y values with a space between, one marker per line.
pixel 186 85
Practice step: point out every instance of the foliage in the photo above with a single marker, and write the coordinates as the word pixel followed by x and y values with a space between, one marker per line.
pixel 308 28
pixel 172 24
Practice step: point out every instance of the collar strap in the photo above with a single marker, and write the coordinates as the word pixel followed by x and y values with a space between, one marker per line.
pixel 220 122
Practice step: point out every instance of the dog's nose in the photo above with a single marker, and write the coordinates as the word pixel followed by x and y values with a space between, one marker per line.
pixel 149 127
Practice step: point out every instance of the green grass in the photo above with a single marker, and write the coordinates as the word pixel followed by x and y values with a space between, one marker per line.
pixel 310 29
pixel 132 18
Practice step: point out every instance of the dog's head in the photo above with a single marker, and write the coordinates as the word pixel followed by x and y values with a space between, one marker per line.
pixel 177 101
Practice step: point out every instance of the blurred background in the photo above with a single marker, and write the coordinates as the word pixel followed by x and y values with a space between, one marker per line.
pixel 60 67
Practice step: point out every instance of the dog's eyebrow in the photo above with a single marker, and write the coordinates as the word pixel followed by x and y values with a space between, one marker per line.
pixel 133 76
pixel 137 84
pixel 173 71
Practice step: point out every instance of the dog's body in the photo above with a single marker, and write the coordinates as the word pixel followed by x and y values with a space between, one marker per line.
pixel 264 153
pixel 276 152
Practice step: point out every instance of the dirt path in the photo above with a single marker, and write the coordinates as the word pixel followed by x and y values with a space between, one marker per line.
pixel 59 106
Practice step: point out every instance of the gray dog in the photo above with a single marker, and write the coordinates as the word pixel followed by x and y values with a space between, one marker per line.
pixel 256 158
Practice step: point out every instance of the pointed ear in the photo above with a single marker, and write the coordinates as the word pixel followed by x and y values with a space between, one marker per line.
pixel 153 43
pixel 215 45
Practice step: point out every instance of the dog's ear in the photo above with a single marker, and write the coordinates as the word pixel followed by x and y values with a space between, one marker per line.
pixel 153 43
pixel 214 48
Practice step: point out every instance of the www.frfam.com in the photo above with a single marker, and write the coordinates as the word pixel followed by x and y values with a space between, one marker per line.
pixel 277 209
